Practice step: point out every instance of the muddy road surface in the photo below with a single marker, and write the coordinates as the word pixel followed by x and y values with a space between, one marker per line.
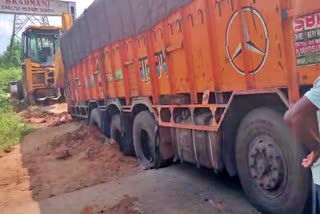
pixel 67 167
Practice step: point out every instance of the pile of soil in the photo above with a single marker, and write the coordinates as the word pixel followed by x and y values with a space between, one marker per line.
pixel 128 205
pixel 34 115
pixel 74 161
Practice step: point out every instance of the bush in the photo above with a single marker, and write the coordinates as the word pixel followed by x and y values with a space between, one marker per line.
pixel 6 76
pixel 5 103
pixel 13 127
pixel 12 130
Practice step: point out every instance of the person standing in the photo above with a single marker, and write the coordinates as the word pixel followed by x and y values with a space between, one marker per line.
pixel 304 118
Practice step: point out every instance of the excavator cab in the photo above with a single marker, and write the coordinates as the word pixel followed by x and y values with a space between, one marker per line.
pixel 39 45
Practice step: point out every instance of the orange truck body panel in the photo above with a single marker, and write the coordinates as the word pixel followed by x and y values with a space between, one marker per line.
pixel 217 75
pixel 199 48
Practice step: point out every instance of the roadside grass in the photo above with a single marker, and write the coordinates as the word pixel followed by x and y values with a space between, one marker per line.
pixel 12 126
pixel 7 75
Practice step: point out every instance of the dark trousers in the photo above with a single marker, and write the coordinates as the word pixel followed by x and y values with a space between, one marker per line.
pixel 318 198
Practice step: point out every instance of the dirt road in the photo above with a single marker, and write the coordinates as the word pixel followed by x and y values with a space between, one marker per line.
pixel 73 169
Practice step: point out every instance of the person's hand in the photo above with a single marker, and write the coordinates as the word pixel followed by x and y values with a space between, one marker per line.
pixel 309 161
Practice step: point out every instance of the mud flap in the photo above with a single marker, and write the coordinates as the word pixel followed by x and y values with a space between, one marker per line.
pixel 157 155
pixel 127 134
pixel 163 152
pixel 105 126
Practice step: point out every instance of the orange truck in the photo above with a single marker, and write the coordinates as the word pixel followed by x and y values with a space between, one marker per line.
pixel 201 81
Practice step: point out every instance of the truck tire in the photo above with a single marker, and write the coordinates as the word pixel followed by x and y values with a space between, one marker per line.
pixel 144 136
pixel 268 159
pixel 115 130
pixel 126 135
pixel 95 118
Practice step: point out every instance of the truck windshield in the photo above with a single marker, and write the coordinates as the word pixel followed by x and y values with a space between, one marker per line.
pixel 42 47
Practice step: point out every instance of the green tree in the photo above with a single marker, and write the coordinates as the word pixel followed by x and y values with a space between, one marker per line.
pixel 11 58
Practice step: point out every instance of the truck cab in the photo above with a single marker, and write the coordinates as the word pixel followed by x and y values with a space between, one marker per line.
pixel 39 45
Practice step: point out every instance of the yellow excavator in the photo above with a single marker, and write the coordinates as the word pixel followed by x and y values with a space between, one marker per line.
pixel 42 62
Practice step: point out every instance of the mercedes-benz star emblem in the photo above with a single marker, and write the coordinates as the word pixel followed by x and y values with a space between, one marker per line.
pixel 256 40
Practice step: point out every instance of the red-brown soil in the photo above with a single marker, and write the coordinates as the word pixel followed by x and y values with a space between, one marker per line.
pixel 63 164
pixel 44 118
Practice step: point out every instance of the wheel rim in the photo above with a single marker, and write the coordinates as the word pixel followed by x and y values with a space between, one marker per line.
pixel 146 146
pixel 267 166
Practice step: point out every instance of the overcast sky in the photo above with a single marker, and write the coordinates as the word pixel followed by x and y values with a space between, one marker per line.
pixel 6 23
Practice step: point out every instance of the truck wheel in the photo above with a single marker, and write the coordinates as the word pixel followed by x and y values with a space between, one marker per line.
pixel 268 161
pixel 144 135
pixel 95 118
pixel 126 135
pixel 115 129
